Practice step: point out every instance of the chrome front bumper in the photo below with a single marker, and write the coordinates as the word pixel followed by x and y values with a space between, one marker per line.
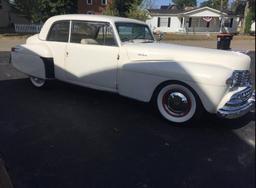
pixel 240 104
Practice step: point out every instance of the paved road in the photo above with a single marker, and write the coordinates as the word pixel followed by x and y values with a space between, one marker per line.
pixel 67 136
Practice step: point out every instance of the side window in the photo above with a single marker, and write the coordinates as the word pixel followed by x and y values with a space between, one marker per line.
pixel 105 36
pixel 59 32
pixel 92 33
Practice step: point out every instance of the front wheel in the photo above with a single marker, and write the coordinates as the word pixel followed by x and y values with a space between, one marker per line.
pixel 37 82
pixel 177 103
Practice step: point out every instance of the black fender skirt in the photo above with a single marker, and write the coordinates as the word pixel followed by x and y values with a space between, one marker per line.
pixel 49 67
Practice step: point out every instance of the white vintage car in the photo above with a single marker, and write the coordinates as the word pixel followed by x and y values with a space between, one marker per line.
pixel 121 55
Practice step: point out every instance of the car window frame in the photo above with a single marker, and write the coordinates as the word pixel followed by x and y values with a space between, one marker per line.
pixel 53 24
pixel 91 21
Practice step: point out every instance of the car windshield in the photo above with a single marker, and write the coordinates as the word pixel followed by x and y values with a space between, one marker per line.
pixel 131 32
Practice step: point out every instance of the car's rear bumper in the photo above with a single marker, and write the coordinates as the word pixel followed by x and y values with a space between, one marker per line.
pixel 233 110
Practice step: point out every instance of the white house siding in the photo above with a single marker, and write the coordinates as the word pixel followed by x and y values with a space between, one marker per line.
pixel 175 23
pixel 193 21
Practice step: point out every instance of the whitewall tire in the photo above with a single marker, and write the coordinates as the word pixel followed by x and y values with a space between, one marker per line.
pixel 37 82
pixel 177 103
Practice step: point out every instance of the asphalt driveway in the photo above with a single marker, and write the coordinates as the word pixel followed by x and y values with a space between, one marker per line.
pixel 68 136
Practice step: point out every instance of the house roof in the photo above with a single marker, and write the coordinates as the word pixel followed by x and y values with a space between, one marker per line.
pixel 165 11
pixel 174 11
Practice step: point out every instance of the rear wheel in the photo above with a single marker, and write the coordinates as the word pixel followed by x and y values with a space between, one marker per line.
pixel 177 103
pixel 37 82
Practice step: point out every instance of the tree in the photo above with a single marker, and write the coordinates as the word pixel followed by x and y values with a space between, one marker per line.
pixel 238 7
pixel 111 10
pixel 25 7
pixel 181 4
pixel 126 8
pixel 41 10
pixel 249 16
pixel 216 4
pixel 136 12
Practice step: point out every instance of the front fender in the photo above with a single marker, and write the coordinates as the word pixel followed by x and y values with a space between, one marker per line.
pixel 139 79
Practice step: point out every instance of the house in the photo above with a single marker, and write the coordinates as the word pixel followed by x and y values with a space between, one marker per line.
pixel 9 18
pixel 195 20
pixel 92 6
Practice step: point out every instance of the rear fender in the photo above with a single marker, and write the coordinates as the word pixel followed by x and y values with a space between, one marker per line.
pixel 33 60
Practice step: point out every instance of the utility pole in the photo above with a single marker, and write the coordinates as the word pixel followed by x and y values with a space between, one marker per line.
pixel 246 11
pixel 221 12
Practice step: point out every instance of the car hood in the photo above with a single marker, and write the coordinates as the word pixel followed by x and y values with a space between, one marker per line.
pixel 185 54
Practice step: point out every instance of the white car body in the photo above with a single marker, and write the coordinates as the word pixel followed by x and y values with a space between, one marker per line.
pixel 135 69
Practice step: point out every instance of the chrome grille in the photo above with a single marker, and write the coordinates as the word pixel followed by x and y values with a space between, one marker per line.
pixel 242 78
pixel 240 97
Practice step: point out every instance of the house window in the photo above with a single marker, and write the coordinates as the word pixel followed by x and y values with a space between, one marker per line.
pixel 158 21
pixel 89 2
pixel 169 22
pixel 190 22
pixel 164 22
pixel 231 22
pixel 228 22
pixel 181 22
pixel 104 2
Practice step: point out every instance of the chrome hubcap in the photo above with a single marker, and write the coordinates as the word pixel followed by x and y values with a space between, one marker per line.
pixel 176 103
pixel 38 80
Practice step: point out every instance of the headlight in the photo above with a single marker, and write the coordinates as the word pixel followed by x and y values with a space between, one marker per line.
pixel 239 79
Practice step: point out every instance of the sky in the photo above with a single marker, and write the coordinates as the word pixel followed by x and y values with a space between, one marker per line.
pixel 166 2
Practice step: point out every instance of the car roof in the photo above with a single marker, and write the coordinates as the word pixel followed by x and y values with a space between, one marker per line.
pixel 103 18
pixel 86 17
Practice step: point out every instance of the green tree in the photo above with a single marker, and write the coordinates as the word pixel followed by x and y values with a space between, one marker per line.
pixel 136 12
pixel 126 8
pixel 238 6
pixel 249 16
pixel 41 10
pixel 216 4
pixel 112 9
pixel 181 4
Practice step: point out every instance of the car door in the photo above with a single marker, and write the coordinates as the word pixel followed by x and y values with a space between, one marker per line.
pixel 57 40
pixel 92 55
